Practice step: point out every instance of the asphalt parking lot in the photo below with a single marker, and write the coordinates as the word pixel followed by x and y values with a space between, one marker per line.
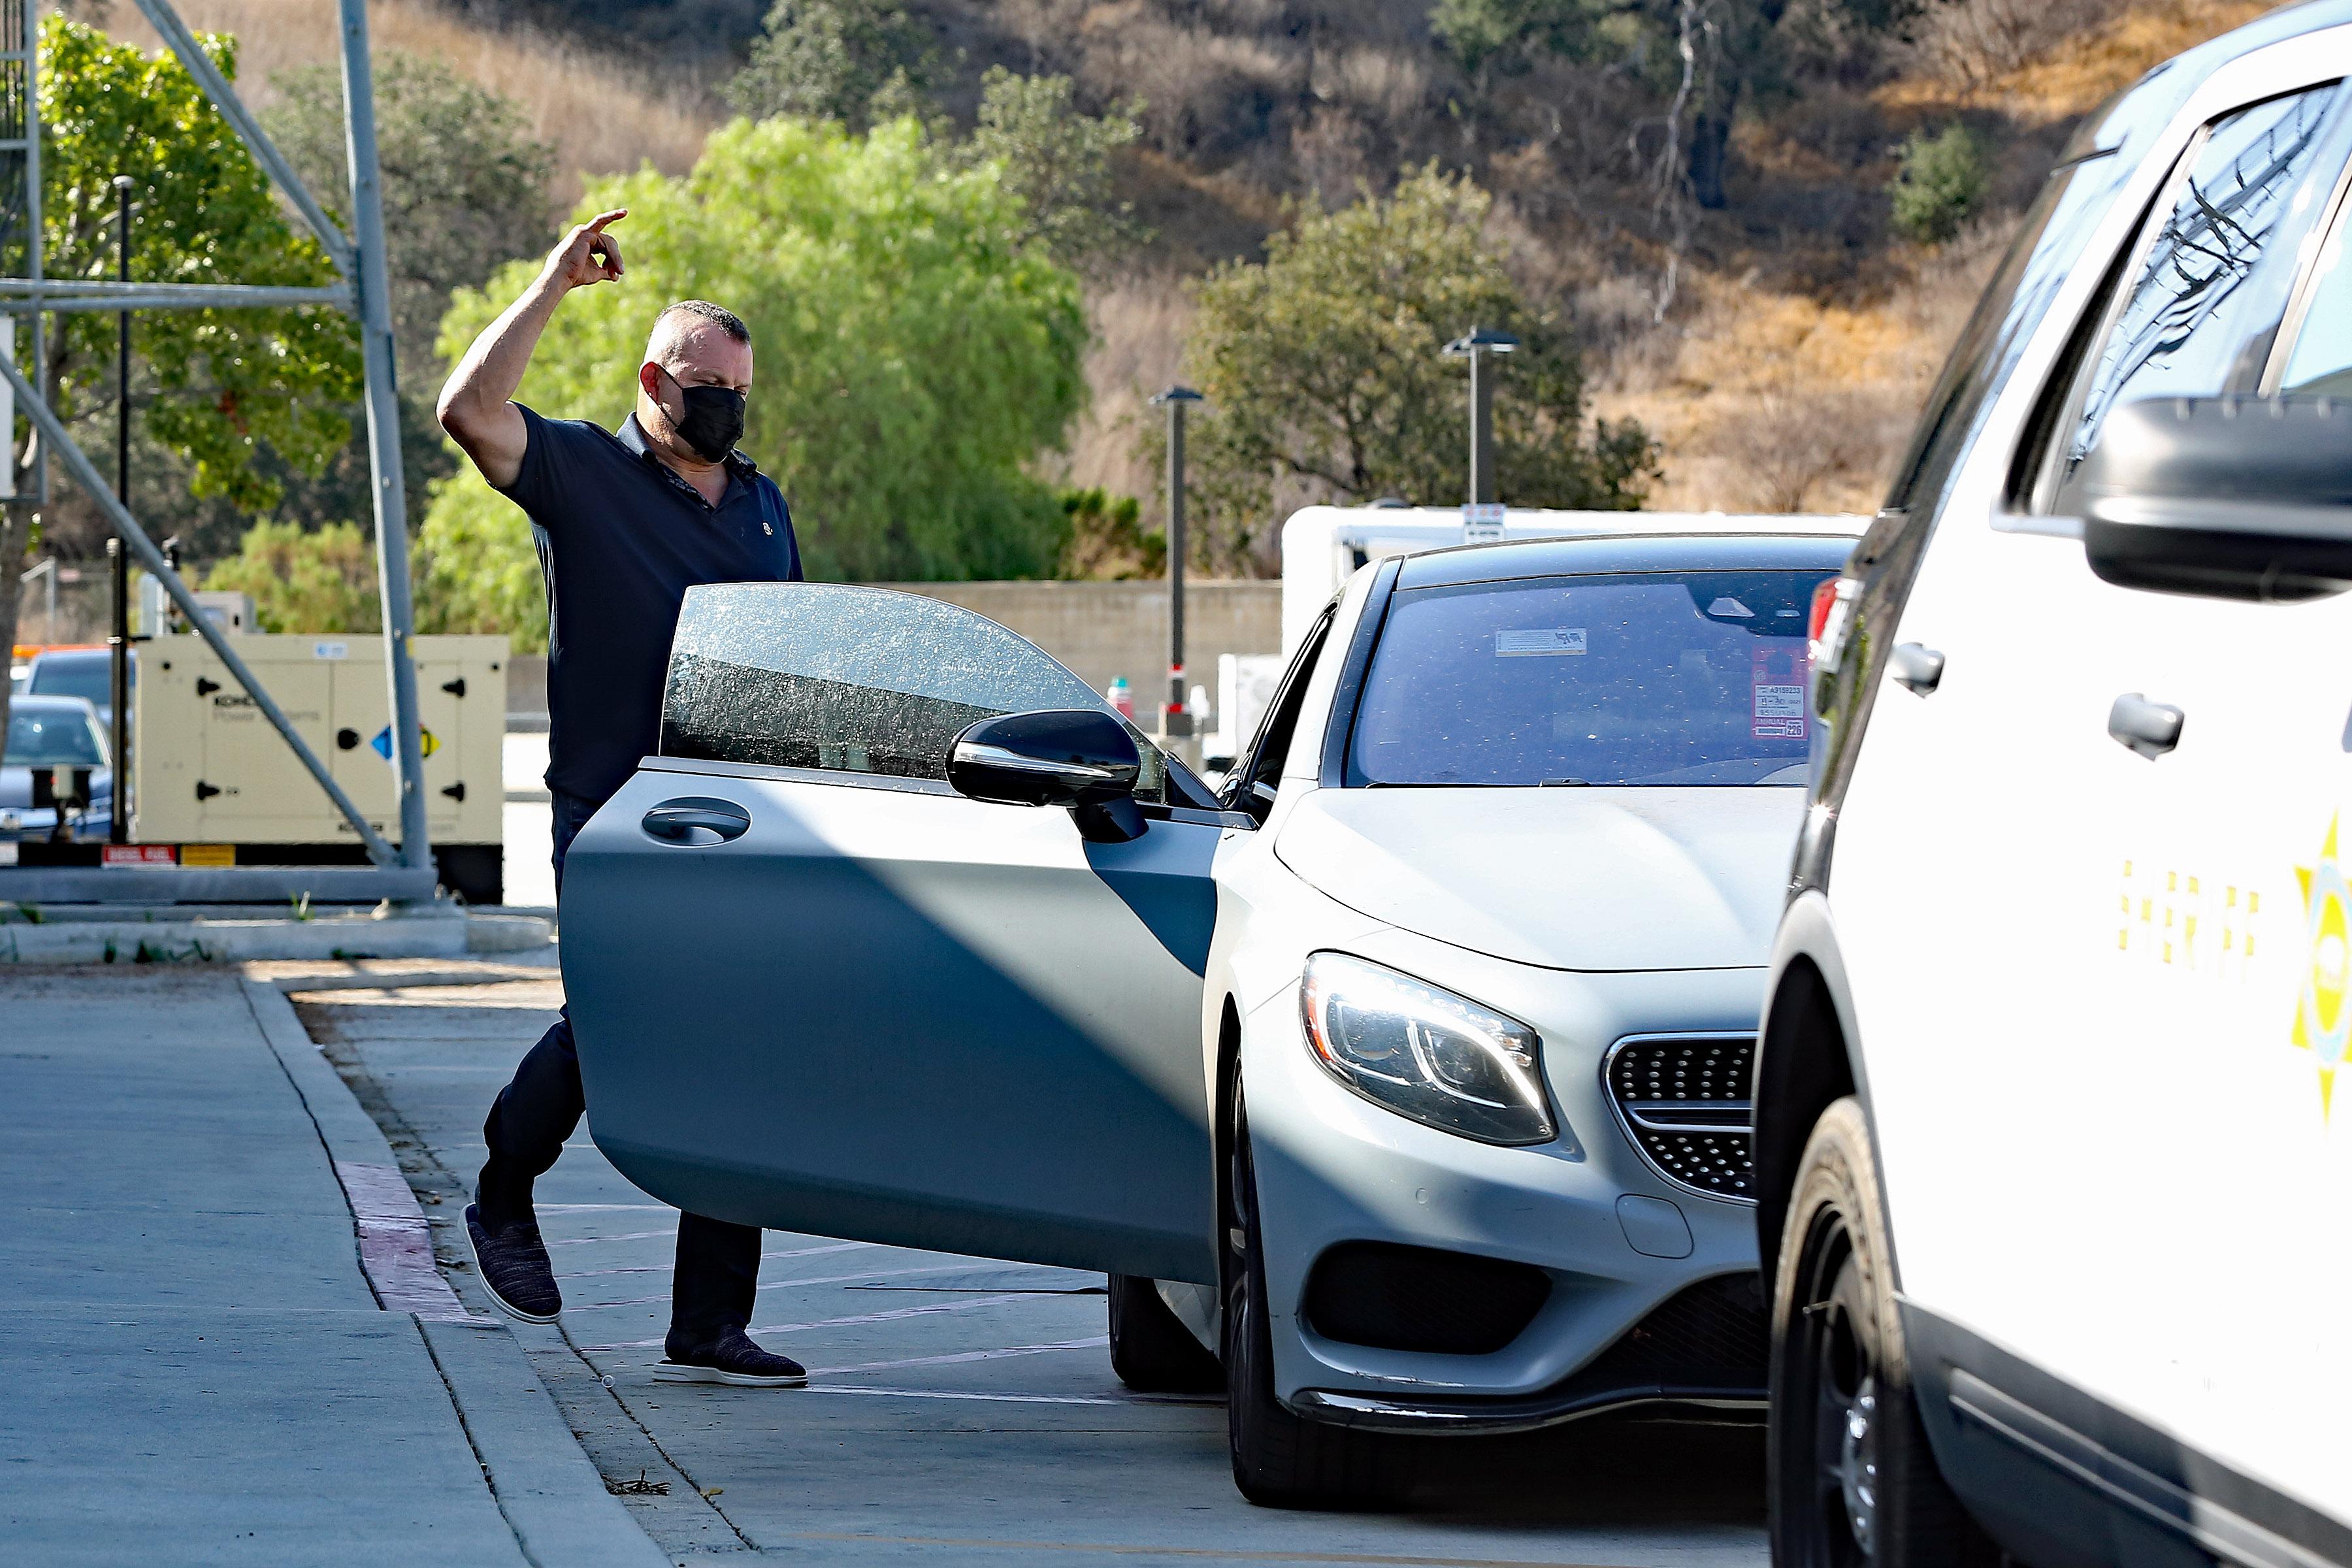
pixel 961 1409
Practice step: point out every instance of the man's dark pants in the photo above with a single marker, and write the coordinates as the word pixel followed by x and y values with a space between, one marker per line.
pixel 718 1264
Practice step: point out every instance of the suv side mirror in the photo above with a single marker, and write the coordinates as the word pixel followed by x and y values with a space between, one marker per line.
pixel 1074 757
pixel 2233 498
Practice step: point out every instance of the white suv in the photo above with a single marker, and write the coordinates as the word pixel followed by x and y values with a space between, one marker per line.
pixel 2052 1190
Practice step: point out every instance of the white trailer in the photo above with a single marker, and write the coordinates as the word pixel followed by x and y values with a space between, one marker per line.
pixel 1323 546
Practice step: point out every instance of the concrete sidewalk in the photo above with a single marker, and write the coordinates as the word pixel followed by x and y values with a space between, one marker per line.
pixel 198 1369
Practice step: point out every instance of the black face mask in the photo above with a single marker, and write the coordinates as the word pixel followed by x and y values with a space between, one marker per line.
pixel 714 419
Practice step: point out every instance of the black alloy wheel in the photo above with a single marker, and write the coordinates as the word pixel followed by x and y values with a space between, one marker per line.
pixel 1280 1459
pixel 1852 1483
pixel 1150 1349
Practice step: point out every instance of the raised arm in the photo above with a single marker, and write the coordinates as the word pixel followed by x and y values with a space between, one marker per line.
pixel 476 406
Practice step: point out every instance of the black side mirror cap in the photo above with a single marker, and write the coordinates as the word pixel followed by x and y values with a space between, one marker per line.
pixel 1079 758
pixel 2236 498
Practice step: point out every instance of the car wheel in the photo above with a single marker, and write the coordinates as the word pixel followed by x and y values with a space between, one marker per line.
pixel 1851 1481
pixel 1151 1348
pixel 1280 1460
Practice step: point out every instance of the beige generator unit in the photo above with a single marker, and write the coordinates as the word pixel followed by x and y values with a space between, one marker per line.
pixel 207 768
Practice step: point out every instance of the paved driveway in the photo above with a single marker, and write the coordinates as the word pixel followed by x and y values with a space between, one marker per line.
pixel 961 1409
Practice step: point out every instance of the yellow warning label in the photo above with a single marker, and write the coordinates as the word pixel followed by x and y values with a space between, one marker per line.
pixel 207 854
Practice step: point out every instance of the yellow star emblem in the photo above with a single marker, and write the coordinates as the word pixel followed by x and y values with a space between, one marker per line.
pixel 2323 1023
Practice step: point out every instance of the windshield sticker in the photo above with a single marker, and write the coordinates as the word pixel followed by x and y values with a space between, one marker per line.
pixel 1539 642
pixel 1731 608
pixel 1777 694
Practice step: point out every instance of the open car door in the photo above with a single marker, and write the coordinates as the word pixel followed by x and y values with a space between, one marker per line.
pixel 816 989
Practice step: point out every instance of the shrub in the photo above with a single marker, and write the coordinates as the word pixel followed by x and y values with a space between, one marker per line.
pixel 305 580
pixel 1107 539
pixel 1939 184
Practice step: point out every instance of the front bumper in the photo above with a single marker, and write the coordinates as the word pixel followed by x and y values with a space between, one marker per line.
pixel 1636 1312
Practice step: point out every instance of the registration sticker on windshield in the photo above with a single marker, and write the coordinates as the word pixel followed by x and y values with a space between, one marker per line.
pixel 1539 641
pixel 1777 694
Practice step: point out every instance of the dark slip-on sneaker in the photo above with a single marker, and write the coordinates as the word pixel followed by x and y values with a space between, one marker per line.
pixel 733 1359
pixel 513 1262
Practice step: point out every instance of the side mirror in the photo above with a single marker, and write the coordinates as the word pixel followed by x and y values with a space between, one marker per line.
pixel 2233 497
pixel 1074 757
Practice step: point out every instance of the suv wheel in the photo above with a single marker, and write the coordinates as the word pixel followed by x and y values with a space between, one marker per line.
pixel 1852 1482
pixel 1150 1349
pixel 1280 1460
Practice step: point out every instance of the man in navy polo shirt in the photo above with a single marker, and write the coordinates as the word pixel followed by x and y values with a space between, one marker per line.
pixel 625 521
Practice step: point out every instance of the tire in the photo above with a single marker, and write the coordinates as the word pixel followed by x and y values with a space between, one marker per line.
pixel 1851 1480
pixel 1151 1348
pixel 1280 1460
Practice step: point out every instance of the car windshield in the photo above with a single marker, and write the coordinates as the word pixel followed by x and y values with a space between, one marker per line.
pixel 90 678
pixel 1668 677
pixel 53 738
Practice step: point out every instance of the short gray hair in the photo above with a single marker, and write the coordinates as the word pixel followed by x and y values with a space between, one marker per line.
pixel 667 328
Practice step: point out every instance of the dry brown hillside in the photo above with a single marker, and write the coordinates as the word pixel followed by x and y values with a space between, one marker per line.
pixel 1779 370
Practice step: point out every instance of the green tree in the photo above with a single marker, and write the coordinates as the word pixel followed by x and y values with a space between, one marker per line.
pixel 306 580
pixel 215 389
pixel 914 355
pixel 1941 180
pixel 1108 539
pixel 854 61
pixel 1322 370
pixel 1057 161
pixel 464 183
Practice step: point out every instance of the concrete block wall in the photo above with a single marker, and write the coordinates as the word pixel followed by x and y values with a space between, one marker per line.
pixel 1106 629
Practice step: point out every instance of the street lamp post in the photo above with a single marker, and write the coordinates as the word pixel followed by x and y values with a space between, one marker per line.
pixel 1476 345
pixel 118 641
pixel 1176 718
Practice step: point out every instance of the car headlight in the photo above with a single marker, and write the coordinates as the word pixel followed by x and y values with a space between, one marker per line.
pixel 1426 1053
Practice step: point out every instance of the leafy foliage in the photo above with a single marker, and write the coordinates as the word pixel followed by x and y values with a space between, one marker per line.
pixel 306 580
pixel 914 354
pixel 1057 161
pixel 854 61
pixel 1322 370
pixel 218 388
pixel 479 570
pixel 1108 539
pixel 465 184
pixel 1939 184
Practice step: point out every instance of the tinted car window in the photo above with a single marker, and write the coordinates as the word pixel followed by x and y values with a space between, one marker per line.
pixel 2200 291
pixel 860 680
pixel 53 738
pixel 89 676
pixel 1691 678
pixel 2319 356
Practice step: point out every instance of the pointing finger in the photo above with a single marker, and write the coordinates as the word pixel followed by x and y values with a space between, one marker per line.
pixel 596 224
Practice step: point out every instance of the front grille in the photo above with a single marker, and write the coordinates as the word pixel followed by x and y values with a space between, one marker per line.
pixel 1711 1337
pixel 1395 1298
pixel 1684 1100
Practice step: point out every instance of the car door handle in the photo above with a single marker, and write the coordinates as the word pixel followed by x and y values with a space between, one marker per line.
pixel 697 821
pixel 1917 668
pixel 2151 728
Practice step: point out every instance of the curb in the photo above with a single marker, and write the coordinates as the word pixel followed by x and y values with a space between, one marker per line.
pixel 551 1496
pixel 234 940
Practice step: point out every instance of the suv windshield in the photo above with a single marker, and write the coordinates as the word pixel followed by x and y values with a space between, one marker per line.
pixel 1668 677
pixel 90 676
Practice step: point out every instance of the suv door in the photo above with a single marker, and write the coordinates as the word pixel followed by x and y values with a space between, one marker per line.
pixel 824 992
pixel 2079 1154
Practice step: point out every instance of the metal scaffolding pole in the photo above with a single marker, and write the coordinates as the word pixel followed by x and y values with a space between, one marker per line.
pixel 85 474
pixel 362 287
pixel 383 431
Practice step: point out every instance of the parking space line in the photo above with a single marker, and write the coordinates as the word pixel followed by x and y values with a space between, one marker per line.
pixel 861 1318
pixel 793 1284
pixel 1095 1342
pixel 624 1236
pixel 666 1267
pixel 1223 1554
pixel 970 1396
